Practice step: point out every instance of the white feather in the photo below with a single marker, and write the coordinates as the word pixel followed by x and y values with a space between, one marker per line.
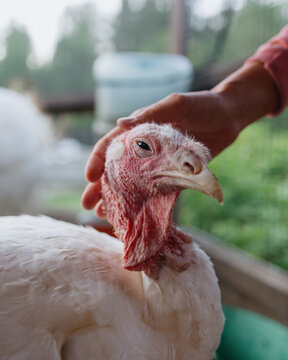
pixel 25 132
pixel 65 294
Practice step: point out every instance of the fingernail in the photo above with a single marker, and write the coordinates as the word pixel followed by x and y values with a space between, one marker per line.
pixel 125 120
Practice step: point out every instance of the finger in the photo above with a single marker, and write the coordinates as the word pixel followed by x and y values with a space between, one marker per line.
pixel 100 209
pixel 96 161
pixel 185 237
pixel 140 111
pixel 94 167
pixel 176 262
pixel 133 119
pixel 126 122
pixel 91 195
pixel 140 118
pixel 153 271
pixel 163 111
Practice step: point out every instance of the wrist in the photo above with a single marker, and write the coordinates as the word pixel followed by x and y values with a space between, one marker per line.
pixel 250 94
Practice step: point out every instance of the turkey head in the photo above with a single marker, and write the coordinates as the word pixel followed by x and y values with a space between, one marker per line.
pixel 146 168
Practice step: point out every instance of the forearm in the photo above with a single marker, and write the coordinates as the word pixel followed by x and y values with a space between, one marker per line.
pixel 250 92
pixel 274 57
pixel 260 87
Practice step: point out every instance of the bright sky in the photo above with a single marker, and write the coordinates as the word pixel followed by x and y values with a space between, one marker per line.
pixel 42 18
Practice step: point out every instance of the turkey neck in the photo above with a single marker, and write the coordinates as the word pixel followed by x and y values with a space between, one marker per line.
pixel 141 221
pixel 121 205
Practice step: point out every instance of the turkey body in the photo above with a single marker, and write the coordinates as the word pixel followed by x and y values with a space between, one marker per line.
pixel 24 138
pixel 66 295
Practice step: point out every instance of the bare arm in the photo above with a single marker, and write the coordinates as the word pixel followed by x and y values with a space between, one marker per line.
pixel 214 117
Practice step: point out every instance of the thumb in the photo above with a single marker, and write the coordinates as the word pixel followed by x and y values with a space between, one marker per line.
pixel 133 119
pixel 163 111
pixel 127 122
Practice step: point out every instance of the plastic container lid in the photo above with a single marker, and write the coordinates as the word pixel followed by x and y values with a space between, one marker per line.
pixel 250 336
pixel 141 68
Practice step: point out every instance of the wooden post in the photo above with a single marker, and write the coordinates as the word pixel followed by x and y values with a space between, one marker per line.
pixel 178 27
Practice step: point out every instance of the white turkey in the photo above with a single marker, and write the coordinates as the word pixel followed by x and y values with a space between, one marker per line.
pixel 69 292
pixel 24 133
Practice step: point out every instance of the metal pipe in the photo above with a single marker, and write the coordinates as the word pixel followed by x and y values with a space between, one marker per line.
pixel 178 27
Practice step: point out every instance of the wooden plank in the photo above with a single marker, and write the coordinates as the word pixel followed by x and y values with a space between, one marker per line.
pixel 246 281
pixel 68 103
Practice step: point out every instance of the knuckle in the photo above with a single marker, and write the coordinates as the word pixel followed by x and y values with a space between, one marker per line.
pixel 176 98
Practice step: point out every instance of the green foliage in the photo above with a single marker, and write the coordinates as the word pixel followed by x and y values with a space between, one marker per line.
pixel 251 27
pixel 79 127
pixel 253 173
pixel 14 65
pixel 71 66
pixel 145 29
pixel 64 200
pixel 199 46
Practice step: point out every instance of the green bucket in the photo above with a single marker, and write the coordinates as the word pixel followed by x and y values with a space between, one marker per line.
pixel 249 336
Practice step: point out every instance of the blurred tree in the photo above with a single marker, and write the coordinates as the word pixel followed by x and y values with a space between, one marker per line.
pixel 146 28
pixel 70 70
pixel 14 71
pixel 140 26
pixel 234 32
pixel 225 19
pixel 256 23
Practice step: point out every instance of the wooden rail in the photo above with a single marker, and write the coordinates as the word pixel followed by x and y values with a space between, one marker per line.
pixel 68 103
pixel 246 281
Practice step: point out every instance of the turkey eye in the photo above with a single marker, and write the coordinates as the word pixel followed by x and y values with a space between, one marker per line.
pixel 143 145
pixel 142 149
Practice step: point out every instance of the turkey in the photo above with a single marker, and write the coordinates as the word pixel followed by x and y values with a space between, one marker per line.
pixel 25 134
pixel 69 292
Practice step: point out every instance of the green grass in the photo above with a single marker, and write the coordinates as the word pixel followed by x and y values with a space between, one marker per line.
pixel 65 200
pixel 253 174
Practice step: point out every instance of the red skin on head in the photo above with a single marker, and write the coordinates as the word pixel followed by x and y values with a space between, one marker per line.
pixel 139 210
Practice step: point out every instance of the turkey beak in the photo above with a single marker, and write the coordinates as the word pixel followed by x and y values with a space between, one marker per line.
pixel 190 173
pixel 206 182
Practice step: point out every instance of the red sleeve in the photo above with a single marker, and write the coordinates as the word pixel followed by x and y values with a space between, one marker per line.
pixel 274 56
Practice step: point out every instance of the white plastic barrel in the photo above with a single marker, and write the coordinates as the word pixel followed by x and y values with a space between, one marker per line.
pixel 128 81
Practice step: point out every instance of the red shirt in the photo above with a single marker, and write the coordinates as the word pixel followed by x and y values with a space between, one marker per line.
pixel 274 56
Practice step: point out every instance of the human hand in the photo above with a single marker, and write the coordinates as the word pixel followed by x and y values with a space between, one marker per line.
pixel 213 117
pixel 201 114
